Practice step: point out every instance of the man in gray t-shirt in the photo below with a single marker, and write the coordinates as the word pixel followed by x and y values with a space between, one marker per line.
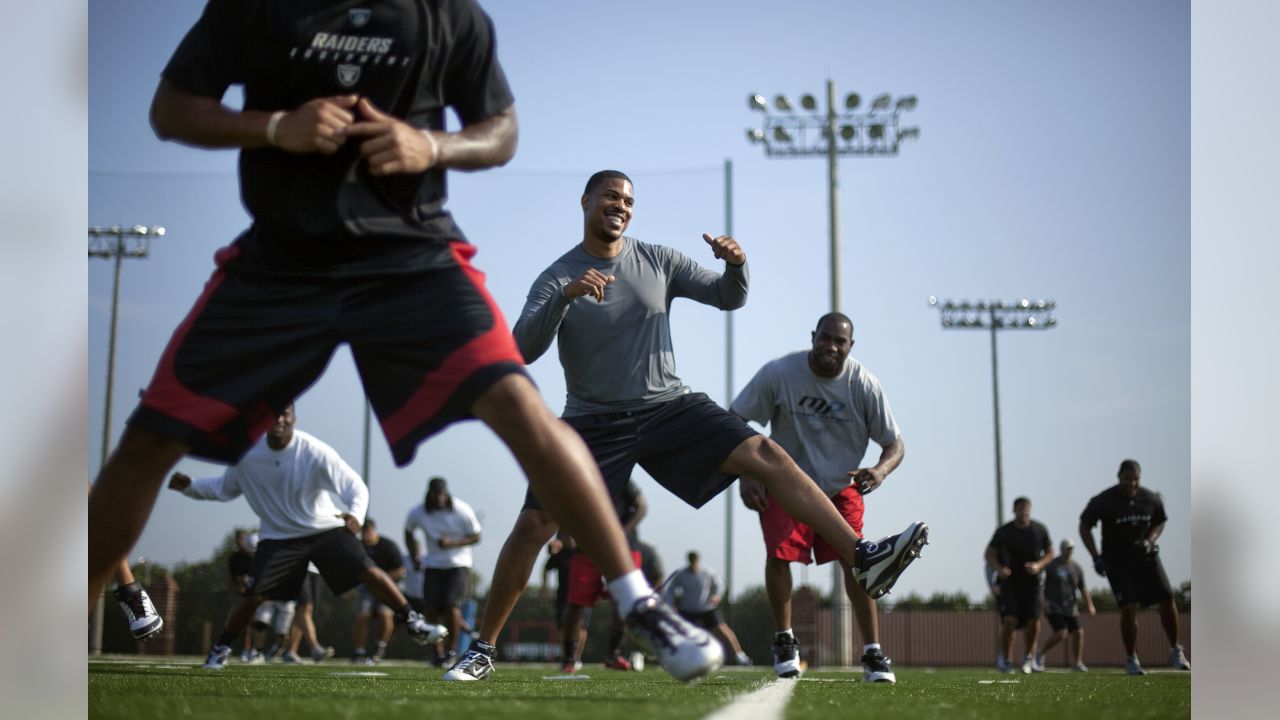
pixel 1063 588
pixel 606 302
pixel 823 407
pixel 694 591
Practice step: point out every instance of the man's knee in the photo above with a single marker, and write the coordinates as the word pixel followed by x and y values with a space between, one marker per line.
pixel 534 528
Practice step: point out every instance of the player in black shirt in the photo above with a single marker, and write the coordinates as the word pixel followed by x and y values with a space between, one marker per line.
pixel 1132 520
pixel 386 555
pixel 343 156
pixel 1019 551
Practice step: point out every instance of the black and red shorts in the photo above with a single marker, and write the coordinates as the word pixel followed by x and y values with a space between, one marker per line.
pixel 426 344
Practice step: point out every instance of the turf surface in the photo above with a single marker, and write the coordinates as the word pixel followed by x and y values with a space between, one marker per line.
pixel 163 689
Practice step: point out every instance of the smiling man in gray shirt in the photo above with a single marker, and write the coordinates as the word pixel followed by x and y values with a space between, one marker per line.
pixel 607 302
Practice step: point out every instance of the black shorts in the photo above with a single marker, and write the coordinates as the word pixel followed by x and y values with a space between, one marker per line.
pixel 1070 623
pixel 682 443
pixel 280 566
pixel 426 344
pixel 1140 581
pixel 310 589
pixel 1019 601
pixel 443 587
pixel 709 620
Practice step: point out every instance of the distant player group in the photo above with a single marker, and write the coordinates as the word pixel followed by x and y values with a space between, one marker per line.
pixel 343 170
pixel 1025 576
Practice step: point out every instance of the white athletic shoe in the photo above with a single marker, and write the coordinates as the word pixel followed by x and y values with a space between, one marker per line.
pixel 252 657
pixel 1028 665
pixel 144 621
pixel 877 668
pixel 423 632
pixel 218 657
pixel 879 564
pixel 1079 667
pixel 1178 659
pixel 474 665
pixel 1132 666
pixel 686 651
pixel 786 656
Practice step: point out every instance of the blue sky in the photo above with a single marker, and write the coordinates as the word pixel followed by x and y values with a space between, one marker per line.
pixel 1054 161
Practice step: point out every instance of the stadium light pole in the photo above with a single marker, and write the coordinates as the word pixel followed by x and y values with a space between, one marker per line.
pixel 728 392
pixel 996 315
pixel 114 243
pixel 875 132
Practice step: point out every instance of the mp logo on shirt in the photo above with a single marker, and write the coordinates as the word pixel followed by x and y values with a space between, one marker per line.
pixel 359 16
pixel 810 404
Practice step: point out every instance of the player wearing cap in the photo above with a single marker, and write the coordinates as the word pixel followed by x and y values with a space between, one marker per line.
pixel 1063 588
pixel 450 528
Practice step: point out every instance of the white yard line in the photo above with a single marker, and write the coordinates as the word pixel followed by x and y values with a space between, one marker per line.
pixel 767 703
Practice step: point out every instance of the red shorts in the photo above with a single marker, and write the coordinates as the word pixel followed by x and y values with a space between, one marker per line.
pixel 788 539
pixel 586 584
pixel 426 345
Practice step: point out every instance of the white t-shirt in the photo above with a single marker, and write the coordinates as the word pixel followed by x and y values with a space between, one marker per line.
pixel 292 490
pixel 454 524
pixel 824 424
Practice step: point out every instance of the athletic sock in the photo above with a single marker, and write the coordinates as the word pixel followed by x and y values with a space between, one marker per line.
pixel 615 642
pixel 484 647
pixel 629 589
pixel 783 634
pixel 869 647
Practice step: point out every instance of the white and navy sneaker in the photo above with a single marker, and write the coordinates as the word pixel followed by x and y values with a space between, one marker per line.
pixel 1178 659
pixel 423 632
pixel 474 665
pixel 252 657
pixel 879 564
pixel 786 656
pixel 320 654
pixel 218 657
pixel 144 621
pixel 1132 666
pixel 686 651
pixel 877 668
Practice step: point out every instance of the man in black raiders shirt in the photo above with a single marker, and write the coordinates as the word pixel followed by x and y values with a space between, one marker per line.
pixel 343 152
pixel 1132 519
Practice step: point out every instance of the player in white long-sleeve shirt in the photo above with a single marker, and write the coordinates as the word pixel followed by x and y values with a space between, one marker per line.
pixel 291 480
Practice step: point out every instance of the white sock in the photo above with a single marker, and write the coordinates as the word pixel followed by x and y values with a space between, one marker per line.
pixel 869 647
pixel 628 590
pixel 784 633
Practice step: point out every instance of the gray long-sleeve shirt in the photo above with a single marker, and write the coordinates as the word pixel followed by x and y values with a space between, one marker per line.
pixel 693 591
pixel 617 354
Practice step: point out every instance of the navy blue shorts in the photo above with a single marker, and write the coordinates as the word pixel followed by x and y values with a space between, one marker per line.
pixel 280 566
pixel 682 443
pixel 426 344
pixel 444 587
pixel 1070 623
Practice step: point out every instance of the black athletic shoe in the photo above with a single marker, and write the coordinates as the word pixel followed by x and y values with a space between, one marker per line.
pixel 880 563
pixel 786 656
pixel 877 668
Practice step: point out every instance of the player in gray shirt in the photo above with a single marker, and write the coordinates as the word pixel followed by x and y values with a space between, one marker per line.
pixel 607 302
pixel 823 407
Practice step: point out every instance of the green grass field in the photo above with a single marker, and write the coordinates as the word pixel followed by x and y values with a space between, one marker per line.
pixel 164 689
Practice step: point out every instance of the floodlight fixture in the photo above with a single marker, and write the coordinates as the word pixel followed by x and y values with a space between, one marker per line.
pixel 995 315
pixel 781 135
pixel 755 135
pixel 757 102
pixel 782 103
pixel 876 132
pixel 907 102
pixel 848 133
pixel 808 102
pixel 851 101
pixel 881 102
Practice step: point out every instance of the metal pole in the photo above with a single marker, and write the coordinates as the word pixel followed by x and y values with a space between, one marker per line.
pixel 364 466
pixel 99 609
pixel 995 399
pixel 833 196
pixel 728 390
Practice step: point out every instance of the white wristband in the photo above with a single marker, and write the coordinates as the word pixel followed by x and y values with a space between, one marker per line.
pixel 271 126
pixel 435 148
